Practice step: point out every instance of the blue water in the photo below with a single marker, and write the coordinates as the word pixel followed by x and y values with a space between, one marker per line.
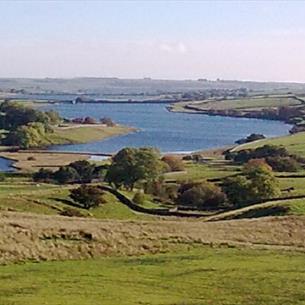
pixel 170 132
pixel 6 165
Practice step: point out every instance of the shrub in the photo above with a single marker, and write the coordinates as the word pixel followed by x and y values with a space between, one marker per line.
pixel 139 198
pixel 203 195
pixel 265 151
pixel 2 177
pixel 43 175
pixel 175 163
pixel 89 120
pixel 107 121
pixel 252 137
pixel 256 163
pixel 87 196
pixel 70 212
pixel 283 164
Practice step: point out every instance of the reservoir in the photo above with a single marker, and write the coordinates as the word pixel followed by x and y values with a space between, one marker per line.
pixel 168 131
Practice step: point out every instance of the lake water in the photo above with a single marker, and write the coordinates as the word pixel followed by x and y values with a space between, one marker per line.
pixel 6 165
pixel 170 132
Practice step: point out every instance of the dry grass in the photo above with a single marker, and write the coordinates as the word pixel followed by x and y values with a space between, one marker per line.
pixel 33 237
pixel 24 161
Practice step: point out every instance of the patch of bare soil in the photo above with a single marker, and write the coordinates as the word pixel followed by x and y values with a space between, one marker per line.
pixel 34 237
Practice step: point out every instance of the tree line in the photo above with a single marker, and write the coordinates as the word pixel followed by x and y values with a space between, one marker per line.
pixel 142 169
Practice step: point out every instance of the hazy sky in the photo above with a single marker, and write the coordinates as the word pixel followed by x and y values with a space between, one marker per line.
pixel 160 39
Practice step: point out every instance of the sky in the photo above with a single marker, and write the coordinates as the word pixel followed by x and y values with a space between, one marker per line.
pixel 244 40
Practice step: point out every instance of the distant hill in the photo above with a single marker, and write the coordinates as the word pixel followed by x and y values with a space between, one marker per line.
pixel 145 86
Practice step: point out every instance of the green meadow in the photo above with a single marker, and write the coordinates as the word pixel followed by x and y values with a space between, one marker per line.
pixel 222 276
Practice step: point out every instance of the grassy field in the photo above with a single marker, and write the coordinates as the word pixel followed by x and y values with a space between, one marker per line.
pixel 201 171
pixel 200 276
pixel 86 133
pixel 248 103
pixel 22 195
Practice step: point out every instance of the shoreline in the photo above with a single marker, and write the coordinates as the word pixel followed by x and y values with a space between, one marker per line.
pixel 27 160
pixel 194 110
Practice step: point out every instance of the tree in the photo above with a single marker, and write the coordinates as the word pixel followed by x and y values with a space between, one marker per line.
pixel 237 190
pixel 84 169
pixel 131 165
pixel 53 117
pixel 27 136
pixel 87 196
pixel 203 195
pixel 66 174
pixel 265 151
pixel 257 183
pixel 16 115
pixel 175 163
pixel 263 183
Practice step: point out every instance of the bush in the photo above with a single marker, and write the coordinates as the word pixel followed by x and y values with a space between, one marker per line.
pixel 203 195
pixel 283 164
pixel 2 177
pixel 139 198
pixel 252 137
pixel 265 151
pixel 89 120
pixel 107 121
pixel 43 175
pixel 175 163
pixel 70 212
pixel 87 196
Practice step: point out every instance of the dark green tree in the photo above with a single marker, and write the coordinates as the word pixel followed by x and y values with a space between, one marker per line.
pixel 84 169
pixel 87 196
pixel 202 195
pixel 66 174
pixel 131 165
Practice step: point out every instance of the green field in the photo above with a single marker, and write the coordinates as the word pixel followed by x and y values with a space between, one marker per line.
pixel 249 103
pixel 223 276
pixel 84 134
pixel 22 195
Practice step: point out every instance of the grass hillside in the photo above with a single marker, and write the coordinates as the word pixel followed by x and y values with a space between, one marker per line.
pixel 21 195
pixel 198 276
pixel 58 238
pixel 251 103
pixel 248 103
pixel 293 143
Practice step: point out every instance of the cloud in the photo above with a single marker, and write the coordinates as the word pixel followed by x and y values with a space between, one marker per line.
pixel 173 47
